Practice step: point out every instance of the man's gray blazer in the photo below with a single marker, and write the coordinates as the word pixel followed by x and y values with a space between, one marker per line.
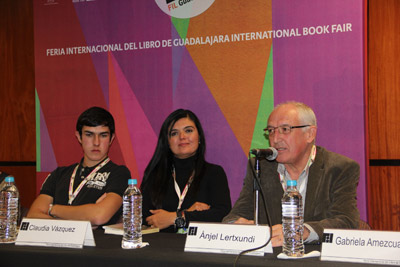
pixel 330 200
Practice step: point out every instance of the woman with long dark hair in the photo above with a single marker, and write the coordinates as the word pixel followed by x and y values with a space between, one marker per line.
pixel 178 184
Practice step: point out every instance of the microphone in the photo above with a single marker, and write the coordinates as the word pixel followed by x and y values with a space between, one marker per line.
pixel 269 153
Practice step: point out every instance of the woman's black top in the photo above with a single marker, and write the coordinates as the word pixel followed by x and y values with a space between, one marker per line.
pixel 212 190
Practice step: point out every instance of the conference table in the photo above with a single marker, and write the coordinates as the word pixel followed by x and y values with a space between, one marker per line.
pixel 165 249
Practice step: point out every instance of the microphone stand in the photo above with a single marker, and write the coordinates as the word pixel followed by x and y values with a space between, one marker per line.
pixel 269 154
pixel 256 187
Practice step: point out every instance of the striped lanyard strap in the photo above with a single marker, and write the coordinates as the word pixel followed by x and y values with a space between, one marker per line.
pixel 72 194
pixel 182 196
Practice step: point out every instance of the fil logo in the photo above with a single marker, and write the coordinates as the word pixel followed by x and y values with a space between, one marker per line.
pixel 171 6
pixel 184 9
pixel 24 226
pixel 192 231
pixel 327 238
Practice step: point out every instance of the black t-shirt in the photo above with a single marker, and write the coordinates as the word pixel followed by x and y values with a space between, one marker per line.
pixel 111 178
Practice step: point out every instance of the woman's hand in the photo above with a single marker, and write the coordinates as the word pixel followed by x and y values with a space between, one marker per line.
pixel 199 206
pixel 161 218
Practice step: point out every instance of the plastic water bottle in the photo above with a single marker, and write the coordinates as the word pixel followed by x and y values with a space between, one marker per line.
pixel 132 216
pixel 9 206
pixel 292 221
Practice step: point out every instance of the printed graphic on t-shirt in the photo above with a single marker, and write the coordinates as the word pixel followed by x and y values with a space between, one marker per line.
pixel 99 181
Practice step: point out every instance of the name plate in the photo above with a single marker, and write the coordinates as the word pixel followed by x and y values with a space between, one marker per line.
pixel 379 247
pixel 227 238
pixel 55 233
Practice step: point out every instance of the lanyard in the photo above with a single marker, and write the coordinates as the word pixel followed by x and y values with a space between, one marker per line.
pixel 72 195
pixel 178 190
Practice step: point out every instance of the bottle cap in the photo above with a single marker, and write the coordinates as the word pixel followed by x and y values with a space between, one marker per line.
pixel 291 183
pixel 9 179
pixel 132 181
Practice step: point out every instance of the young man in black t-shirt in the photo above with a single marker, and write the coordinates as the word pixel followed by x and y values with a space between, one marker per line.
pixel 91 190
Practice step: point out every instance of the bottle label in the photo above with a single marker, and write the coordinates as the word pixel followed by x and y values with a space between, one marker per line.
pixel 290 209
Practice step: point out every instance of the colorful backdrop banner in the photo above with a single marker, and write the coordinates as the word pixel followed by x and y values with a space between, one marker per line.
pixel 229 62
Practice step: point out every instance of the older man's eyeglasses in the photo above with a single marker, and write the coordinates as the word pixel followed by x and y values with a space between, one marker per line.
pixel 282 129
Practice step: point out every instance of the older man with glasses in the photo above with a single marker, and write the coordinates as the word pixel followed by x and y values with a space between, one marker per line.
pixel 327 181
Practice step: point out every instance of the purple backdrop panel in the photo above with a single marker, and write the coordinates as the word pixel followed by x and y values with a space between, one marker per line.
pixel 148 71
pixel 325 71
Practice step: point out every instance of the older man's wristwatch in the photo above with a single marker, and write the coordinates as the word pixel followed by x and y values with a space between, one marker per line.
pixel 180 220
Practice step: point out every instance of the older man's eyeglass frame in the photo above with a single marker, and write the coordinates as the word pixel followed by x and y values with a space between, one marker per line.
pixel 282 129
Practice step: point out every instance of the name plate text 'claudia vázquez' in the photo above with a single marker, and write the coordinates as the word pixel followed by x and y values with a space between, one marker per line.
pixel 55 233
